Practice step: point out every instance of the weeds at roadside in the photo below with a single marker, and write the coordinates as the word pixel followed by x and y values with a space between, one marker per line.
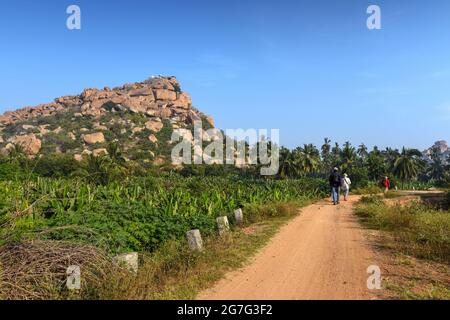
pixel 417 238
pixel 171 272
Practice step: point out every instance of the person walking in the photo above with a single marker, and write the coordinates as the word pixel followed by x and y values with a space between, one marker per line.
pixel 335 184
pixel 346 182
pixel 386 184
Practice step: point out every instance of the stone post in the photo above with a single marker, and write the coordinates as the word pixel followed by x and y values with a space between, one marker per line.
pixel 194 239
pixel 239 216
pixel 128 260
pixel 223 225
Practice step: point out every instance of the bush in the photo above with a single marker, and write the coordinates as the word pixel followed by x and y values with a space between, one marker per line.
pixel 56 165
pixel 11 171
pixel 359 177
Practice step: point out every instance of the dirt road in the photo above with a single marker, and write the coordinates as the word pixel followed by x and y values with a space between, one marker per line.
pixel 321 254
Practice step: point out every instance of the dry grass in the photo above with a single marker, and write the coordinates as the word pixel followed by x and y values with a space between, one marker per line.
pixel 37 269
pixel 413 245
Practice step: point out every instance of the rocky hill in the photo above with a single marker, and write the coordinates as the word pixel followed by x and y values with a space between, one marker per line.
pixel 140 117
pixel 441 148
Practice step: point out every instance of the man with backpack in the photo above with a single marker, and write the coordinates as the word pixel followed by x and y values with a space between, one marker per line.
pixel 335 184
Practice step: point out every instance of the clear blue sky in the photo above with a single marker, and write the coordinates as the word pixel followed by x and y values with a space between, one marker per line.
pixel 310 68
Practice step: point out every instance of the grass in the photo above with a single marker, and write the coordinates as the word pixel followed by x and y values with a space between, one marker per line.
pixel 172 271
pixel 419 230
pixel 416 238
pixel 430 291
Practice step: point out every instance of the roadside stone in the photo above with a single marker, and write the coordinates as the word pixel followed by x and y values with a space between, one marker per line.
pixel 223 225
pixel 128 260
pixel 194 240
pixel 239 216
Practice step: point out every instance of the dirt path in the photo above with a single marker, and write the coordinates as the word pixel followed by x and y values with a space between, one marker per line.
pixel 321 254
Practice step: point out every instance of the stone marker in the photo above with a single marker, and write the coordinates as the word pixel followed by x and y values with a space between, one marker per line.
pixel 223 225
pixel 128 260
pixel 239 216
pixel 194 239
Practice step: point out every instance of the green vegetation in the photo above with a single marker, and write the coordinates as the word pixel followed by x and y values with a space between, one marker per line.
pixel 417 230
pixel 121 202
pixel 136 214
pixel 367 168
pixel 416 240
pixel 54 208
pixel 171 272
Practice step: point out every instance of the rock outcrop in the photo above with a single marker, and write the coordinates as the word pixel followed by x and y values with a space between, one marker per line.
pixel 159 97
pixel 441 148
pixel 94 138
pixel 30 144
pixel 134 115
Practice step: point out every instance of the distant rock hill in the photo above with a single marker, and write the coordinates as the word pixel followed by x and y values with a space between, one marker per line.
pixel 139 117
pixel 441 148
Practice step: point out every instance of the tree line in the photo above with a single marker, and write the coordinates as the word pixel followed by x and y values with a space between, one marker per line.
pixel 365 166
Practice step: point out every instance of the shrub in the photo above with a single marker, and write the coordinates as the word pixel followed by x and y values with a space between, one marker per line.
pixel 56 165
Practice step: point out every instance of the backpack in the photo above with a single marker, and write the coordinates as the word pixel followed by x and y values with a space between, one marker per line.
pixel 337 179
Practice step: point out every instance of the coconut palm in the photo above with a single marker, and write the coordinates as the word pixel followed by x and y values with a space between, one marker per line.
pixel 362 152
pixel 348 156
pixel 436 169
pixel 326 156
pixel 308 158
pixel 288 164
pixel 336 154
pixel 407 165
pixel 390 156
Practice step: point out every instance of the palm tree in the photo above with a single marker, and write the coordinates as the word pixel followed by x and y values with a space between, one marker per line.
pixel 436 169
pixel 407 165
pixel 390 156
pixel 98 170
pixel 362 152
pixel 336 152
pixel 326 156
pixel 288 164
pixel 326 148
pixel 308 158
pixel 348 156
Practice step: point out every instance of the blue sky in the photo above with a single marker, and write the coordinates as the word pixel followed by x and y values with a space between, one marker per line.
pixel 310 68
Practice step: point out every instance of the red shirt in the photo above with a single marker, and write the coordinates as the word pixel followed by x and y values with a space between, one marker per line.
pixel 386 183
